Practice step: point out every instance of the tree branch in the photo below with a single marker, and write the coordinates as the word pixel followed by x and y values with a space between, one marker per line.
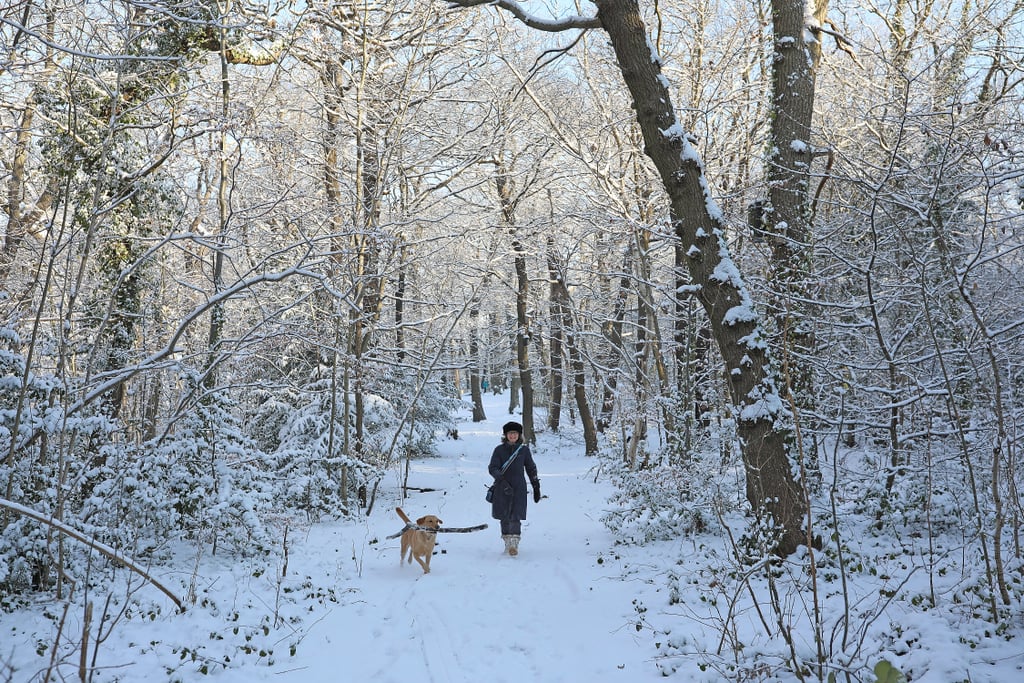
pixel 92 544
pixel 550 25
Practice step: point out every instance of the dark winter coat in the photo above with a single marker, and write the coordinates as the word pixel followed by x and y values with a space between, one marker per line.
pixel 510 488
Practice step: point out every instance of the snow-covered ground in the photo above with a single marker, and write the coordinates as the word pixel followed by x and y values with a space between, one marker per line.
pixel 557 612
pixel 346 610
pixel 574 606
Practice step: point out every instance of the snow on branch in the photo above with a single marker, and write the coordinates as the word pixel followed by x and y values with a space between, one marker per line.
pixel 92 544
pixel 161 358
pixel 65 49
pixel 541 24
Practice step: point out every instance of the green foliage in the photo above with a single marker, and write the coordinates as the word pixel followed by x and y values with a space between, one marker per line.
pixel 887 673
pixel 186 29
pixel 99 141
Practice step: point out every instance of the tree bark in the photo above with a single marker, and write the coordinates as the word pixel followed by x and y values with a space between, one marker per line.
pixel 523 341
pixel 787 214
pixel 560 293
pixel 474 359
pixel 216 330
pixel 22 213
pixel 612 329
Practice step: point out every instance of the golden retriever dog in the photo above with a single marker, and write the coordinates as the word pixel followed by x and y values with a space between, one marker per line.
pixel 419 542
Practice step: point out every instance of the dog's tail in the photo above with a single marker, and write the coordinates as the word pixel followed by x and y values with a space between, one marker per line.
pixel 405 517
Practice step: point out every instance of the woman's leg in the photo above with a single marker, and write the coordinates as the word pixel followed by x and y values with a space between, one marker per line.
pixel 515 528
pixel 505 533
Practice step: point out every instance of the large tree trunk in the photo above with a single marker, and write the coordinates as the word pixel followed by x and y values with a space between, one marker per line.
pixel 762 417
pixel 560 293
pixel 523 341
pixel 787 214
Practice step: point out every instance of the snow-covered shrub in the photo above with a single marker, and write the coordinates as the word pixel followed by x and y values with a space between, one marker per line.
pixel 671 493
pixel 319 468
pixel 272 412
pixel 211 477
pixel 311 470
pixel 49 469
pixel 428 403
pixel 129 500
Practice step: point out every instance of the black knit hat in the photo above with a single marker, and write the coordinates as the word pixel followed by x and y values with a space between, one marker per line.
pixel 512 427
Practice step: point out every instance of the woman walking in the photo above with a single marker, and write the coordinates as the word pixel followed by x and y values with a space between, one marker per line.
pixel 511 463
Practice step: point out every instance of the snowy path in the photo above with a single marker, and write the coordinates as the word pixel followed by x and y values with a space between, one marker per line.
pixel 557 612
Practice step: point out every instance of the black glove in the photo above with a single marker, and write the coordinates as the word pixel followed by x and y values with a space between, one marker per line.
pixel 536 490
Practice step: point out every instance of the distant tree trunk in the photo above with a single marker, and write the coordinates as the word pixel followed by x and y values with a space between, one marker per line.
pixel 703 373
pixel 400 302
pixel 479 369
pixel 579 386
pixel 542 358
pixel 650 330
pixel 558 324
pixel 612 329
pixel 691 365
pixel 514 379
pixel 560 298
pixel 474 359
pixel 640 377
pixel 505 189
pixel 497 368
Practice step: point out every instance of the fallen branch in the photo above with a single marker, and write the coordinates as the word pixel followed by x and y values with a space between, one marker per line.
pixel 90 543
pixel 442 530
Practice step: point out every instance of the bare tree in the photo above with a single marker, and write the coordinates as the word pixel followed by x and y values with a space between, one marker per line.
pixel 772 489
pixel 509 196
pixel 565 330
